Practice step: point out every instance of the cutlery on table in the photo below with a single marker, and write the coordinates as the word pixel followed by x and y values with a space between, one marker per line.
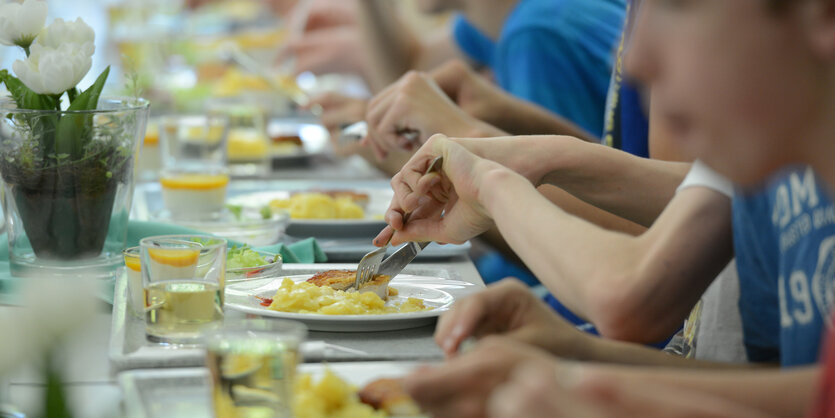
pixel 370 264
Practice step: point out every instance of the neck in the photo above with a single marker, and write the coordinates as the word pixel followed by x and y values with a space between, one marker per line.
pixel 489 15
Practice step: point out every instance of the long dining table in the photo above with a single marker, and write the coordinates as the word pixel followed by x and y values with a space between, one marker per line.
pixel 90 373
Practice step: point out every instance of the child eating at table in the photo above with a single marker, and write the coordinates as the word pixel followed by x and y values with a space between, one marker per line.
pixel 747 86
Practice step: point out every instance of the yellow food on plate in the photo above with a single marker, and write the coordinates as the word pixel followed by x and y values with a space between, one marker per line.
pixel 330 397
pixel 246 145
pixel 308 298
pixel 318 206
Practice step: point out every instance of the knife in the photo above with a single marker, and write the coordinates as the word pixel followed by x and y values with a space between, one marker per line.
pixel 395 263
pixel 356 131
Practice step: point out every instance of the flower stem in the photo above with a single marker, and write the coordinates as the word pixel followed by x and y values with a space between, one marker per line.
pixel 26 50
pixel 72 93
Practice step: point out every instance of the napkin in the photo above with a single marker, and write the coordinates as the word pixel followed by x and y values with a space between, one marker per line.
pixel 304 251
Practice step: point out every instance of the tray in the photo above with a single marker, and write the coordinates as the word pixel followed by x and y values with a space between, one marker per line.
pixel 130 350
pixel 184 392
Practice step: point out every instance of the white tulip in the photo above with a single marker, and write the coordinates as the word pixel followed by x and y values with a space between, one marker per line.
pixel 60 33
pixel 20 23
pixel 59 59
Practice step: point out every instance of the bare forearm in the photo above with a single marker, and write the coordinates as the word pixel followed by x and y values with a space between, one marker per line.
pixel 785 393
pixel 611 278
pixel 394 48
pixel 391 45
pixel 557 247
pixel 633 188
pixel 520 117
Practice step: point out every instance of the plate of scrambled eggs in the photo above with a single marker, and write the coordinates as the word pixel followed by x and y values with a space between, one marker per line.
pixel 326 213
pixel 413 301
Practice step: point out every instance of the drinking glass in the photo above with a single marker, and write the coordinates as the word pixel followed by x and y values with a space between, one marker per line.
pixel 253 365
pixel 194 142
pixel 183 277
pixel 133 267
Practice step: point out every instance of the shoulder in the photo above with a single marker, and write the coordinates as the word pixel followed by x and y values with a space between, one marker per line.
pixel 564 18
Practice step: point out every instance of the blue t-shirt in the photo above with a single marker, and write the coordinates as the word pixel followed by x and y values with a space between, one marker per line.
pixel 784 239
pixel 556 53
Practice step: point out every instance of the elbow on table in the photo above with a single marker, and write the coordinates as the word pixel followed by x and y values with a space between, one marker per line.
pixel 622 312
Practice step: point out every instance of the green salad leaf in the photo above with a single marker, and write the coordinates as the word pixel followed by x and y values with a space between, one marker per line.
pixel 244 256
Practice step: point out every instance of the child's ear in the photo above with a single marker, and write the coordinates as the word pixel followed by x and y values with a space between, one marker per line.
pixel 819 18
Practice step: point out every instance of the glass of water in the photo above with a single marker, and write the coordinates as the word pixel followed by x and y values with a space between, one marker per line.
pixel 183 279
pixel 253 366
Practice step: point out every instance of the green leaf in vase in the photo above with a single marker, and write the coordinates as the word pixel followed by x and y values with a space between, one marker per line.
pixel 76 130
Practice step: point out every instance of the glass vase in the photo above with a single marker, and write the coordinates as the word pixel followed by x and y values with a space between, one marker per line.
pixel 68 184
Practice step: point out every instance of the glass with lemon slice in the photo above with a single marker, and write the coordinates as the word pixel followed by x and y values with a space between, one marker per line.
pixel 183 278
pixel 136 297
pixel 253 365
pixel 194 155
pixel 194 194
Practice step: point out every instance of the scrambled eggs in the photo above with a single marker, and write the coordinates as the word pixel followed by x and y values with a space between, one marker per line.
pixel 331 397
pixel 306 297
pixel 318 206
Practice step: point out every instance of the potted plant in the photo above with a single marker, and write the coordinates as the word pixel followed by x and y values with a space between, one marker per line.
pixel 66 156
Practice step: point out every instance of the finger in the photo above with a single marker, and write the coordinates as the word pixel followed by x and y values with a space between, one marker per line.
pixel 426 183
pixel 378 106
pixel 379 153
pixel 530 391
pixel 328 99
pixel 384 236
pixel 424 225
pixel 337 117
pixel 458 324
pixel 394 219
pixel 386 132
pixel 440 384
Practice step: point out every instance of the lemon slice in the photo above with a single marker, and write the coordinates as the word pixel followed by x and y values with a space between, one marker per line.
pixel 133 263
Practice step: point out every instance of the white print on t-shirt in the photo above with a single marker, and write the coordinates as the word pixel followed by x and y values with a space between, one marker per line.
pixel 796 214
pixel 788 215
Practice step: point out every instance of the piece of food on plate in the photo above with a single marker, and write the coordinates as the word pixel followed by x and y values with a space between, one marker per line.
pixel 308 298
pixel 318 206
pixel 345 279
pixel 243 257
pixel 246 144
pixel 359 198
pixel 388 395
pixel 329 397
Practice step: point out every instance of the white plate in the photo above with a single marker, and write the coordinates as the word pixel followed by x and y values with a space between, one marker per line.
pixel 378 201
pixel 437 292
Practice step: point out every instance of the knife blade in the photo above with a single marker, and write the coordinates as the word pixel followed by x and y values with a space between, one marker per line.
pixel 395 263
pixel 356 131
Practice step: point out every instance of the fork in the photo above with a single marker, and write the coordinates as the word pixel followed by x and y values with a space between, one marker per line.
pixel 370 263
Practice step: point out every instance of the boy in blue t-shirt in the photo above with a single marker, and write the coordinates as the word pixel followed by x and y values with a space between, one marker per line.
pixel 784 239
pixel 555 53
